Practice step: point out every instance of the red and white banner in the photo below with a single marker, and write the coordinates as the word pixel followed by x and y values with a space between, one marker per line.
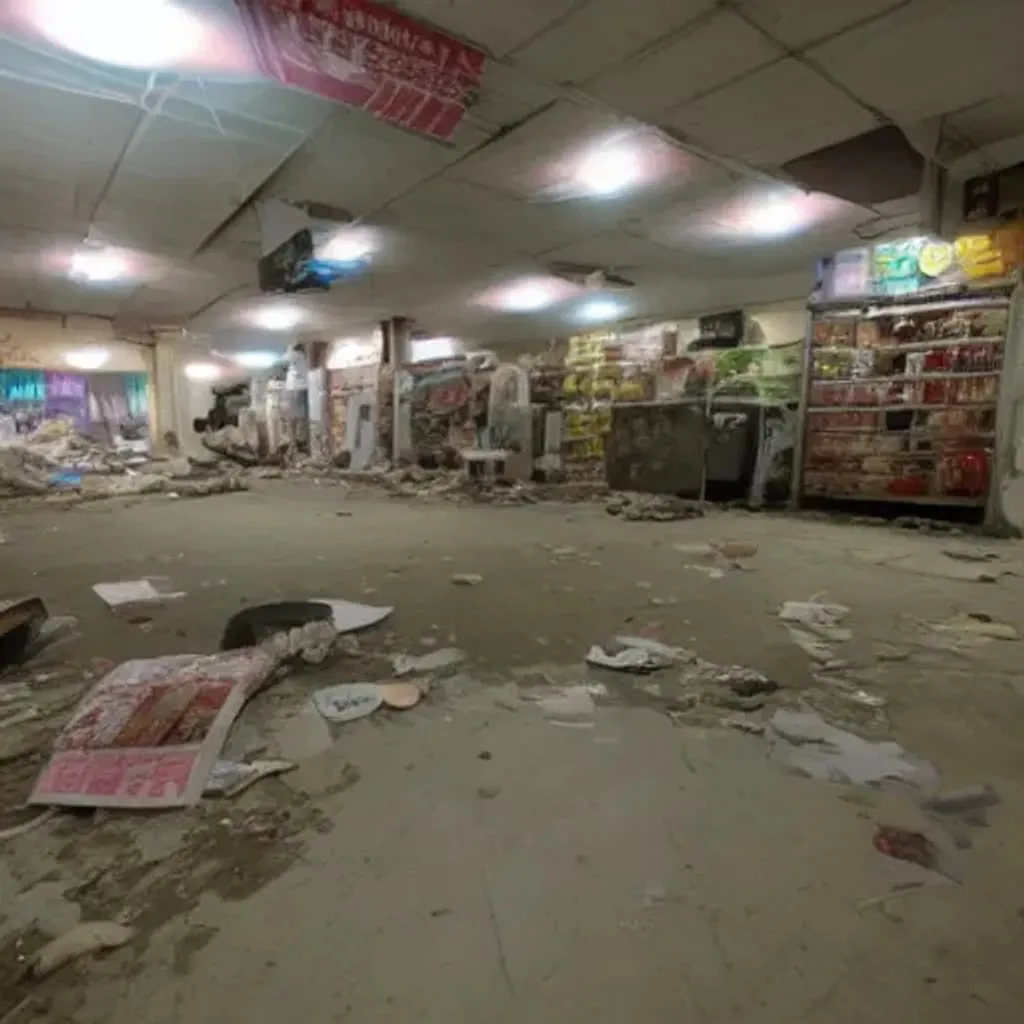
pixel 369 57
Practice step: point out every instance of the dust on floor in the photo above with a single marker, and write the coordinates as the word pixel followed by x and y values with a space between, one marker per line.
pixel 470 860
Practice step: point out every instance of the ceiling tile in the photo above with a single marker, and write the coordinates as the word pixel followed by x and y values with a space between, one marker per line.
pixel 931 58
pixel 997 119
pixel 689 64
pixel 795 23
pixel 772 116
pixel 465 214
pixel 602 33
pixel 497 25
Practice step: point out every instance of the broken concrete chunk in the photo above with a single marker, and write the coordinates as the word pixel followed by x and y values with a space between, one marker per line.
pixel 467 579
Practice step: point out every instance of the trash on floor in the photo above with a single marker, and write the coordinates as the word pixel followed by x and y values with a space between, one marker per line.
pixel 83 940
pixel 21 623
pixel 347 702
pixel 572 707
pixel 820 619
pixel 124 593
pixel 733 550
pixel 400 696
pixel 229 778
pixel 260 624
pixel 311 643
pixel 660 508
pixel 977 624
pixel 435 661
pixel 351 616
pixel 806 741
pixel 962 810
pixel 711 571
pixel 467 579
pixel 902 844
pixel 632 654
pixel 149 732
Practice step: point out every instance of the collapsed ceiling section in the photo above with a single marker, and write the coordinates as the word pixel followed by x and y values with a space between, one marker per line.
pixel 707 152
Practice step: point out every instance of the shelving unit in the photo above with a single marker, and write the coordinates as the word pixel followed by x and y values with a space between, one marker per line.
pixel 901 401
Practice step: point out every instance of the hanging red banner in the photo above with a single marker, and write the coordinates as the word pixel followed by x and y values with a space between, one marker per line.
pixel 368 57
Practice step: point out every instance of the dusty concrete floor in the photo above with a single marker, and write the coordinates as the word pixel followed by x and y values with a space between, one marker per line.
pixel 469 861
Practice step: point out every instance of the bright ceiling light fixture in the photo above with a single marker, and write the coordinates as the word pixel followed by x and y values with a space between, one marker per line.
pixel 91 358
pixel 346 247
pixel 98 265
pixel 599 310
pixel 202 371
pixel 775 219
pixel 257 360
pixel 278 318
pixel 147 34
pixel 608 171
pixel 528 297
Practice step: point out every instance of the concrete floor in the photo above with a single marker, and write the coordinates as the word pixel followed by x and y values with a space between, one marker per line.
pixel 468 861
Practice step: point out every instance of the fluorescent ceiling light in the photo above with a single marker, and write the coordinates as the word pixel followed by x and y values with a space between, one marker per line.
pixel 345 247
pixel 608 171
pixel 98 265
pixel 257 360
pixel 148 34
pixel 528 296
pixel 87 358
pixel 278 318
pixel 599 310
pixel 202 371
pixel 775 219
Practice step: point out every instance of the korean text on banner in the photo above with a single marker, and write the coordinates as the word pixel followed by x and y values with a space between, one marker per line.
pixel 368 57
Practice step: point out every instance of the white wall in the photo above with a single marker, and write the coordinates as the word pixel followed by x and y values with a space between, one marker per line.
pixel 42 343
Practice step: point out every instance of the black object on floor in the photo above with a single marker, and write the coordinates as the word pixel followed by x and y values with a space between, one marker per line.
pixel 252 626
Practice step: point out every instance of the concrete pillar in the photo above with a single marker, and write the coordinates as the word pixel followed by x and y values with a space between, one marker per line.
pixel 175 400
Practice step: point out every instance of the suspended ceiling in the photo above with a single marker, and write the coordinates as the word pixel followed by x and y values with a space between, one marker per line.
pixel 718 94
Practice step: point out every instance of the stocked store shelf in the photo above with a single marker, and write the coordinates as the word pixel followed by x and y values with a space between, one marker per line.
pixel 901 402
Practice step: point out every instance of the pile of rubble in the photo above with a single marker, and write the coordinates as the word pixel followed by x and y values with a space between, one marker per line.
pixel 658 508
pixel 56 460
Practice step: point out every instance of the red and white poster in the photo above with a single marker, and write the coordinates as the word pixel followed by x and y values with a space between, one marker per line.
pixel 369 57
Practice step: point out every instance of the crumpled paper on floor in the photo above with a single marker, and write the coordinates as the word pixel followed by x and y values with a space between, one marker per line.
pixel 808 743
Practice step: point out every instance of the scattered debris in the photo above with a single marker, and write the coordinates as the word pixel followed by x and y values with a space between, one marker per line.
pixel 467 579
pixel 902 844
pixel 664 602
pixel 125 593
pixel 572 707
pixel 486 793
pixel 807 742
pixel 746 725
pixel 709 570
pixel 895 893
pixel 970 802
pixel 733 550
pixel 820 619
pixel 21 623
pixel 977 624
pixel 347 702
pixel 653 508
pixel 400 696
pixel 229 778
pixel 311 644
pixel 352 616
pixel 635 654
pixel 148 734
pixel 435 661
pixel 83 940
